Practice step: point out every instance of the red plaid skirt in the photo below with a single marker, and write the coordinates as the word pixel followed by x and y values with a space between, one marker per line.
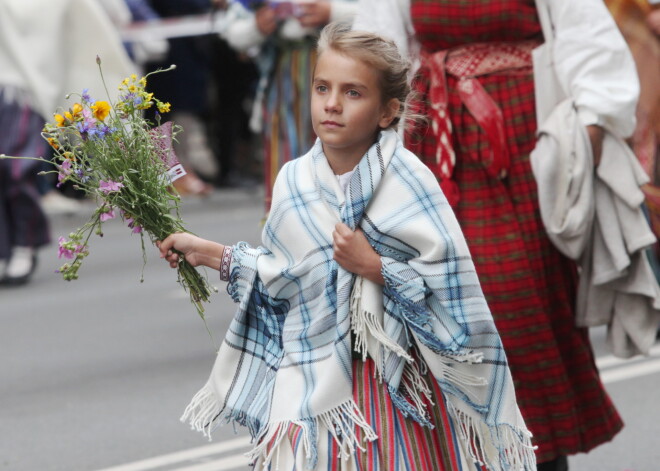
pixel 529 285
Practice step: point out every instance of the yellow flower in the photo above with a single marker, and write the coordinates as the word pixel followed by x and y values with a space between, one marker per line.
pixel 101 110
pixel 132 88
pixel 143 82
pixel 68 115
pixel 163 107
pixel 53 143
pixel 59 119
pixel 76 109
pixel 133 77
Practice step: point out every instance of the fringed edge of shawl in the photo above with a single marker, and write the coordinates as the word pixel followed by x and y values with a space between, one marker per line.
pixel 341 421
pixel 363 322
pixel 204 414
pixel 408 397
pixel 511 446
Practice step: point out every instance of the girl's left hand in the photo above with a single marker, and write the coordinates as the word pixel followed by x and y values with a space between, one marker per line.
pixel 354 253
pixel 314 14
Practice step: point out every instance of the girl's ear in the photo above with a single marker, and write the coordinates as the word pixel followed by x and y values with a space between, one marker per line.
pixel 390 112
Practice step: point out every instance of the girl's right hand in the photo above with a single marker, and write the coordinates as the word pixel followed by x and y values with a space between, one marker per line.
pixel 181 242
pixel 266 20
pixel 195 250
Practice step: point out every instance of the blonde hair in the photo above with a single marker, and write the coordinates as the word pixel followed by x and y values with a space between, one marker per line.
pixel 375 51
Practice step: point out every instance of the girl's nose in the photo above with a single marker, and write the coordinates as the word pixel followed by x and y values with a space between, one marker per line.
pixel 333 104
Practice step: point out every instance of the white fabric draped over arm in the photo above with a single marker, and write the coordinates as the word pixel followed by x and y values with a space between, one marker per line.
pixel 594 64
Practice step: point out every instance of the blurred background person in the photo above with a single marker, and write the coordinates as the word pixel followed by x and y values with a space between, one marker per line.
pixel 283 34
pixel 153 49
pixel 476 84
pixel 187 89
pixel 43 58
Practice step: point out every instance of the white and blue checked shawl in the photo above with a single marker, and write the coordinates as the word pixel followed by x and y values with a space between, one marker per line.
pixel 287 355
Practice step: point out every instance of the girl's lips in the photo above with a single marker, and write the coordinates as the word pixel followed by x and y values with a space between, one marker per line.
pixel 332 124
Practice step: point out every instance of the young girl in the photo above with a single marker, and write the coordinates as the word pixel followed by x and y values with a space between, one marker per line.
pixel 362 339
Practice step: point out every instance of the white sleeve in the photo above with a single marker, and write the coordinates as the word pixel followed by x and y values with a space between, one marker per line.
pixel 594 64
pixel 241 32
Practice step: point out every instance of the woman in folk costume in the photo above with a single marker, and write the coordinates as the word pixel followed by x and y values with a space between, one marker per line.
pixel 286 41
pixel 42 60
pixel 362 339
pixel 477 87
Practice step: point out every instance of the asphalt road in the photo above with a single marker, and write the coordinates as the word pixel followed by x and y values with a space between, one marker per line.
pixel 95 373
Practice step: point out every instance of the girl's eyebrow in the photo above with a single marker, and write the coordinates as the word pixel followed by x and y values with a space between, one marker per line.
pixel 343 85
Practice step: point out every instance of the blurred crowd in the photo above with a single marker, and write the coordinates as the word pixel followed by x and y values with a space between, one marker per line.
pixel 241 92
pixel 244 111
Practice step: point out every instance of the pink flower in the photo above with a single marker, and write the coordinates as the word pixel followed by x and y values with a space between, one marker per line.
pixel 107 215
pixel 137 229
pixel 65 171
pixel 110 186
pixel 64 250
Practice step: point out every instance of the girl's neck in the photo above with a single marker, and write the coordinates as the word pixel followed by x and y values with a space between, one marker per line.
pixel 342 162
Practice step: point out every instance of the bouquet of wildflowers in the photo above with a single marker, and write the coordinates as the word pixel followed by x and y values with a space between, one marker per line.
pixel 126 163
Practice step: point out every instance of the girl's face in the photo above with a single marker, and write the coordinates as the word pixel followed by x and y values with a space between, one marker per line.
pixel 347 108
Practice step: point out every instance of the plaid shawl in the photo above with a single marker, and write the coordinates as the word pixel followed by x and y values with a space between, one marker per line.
pixel 286 358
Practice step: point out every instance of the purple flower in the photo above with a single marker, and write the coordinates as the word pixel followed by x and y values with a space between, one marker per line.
pixel 131 223
pixel 110 186
pixel 85 95
pixel 103 130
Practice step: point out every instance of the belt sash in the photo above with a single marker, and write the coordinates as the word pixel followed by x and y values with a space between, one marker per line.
pixel 467 63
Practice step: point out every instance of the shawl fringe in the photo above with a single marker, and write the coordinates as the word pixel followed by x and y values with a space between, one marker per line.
pixel 204 414
pixel 364 322
pixel 341 421
pixel 498 447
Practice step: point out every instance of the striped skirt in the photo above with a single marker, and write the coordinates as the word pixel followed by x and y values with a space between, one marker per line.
pixel 402 444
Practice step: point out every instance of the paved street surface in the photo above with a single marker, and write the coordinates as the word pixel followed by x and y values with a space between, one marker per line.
pixel 95 373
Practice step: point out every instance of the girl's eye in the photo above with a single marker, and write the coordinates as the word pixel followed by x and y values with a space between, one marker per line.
pixel 353 93
pixel 321 88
